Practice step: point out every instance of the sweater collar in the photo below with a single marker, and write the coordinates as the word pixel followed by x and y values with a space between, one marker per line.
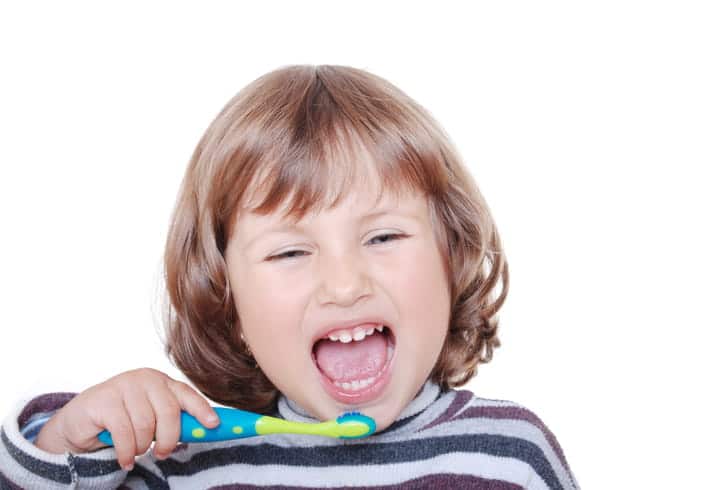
pixel 288 409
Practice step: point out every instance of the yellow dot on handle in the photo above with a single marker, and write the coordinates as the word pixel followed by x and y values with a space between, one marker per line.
pixel 237 429
pixel 198 433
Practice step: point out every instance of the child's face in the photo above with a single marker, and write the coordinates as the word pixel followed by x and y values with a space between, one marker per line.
pixel 338 272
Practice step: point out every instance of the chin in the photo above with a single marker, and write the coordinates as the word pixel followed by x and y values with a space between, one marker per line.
pixel 388 408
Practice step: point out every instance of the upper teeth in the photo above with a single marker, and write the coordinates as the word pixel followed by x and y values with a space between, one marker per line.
pixel 356 333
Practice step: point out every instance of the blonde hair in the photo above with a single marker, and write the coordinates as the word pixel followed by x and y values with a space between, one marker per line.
pixel 291 134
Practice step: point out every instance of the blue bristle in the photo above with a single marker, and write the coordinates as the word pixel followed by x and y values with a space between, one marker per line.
pixel 360 418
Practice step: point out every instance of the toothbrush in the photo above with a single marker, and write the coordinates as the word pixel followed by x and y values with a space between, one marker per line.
pixel 237 424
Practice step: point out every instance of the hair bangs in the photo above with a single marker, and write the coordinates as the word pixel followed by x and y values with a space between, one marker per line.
pixel 339 146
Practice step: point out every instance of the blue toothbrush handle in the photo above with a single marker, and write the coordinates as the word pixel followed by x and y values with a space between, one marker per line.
pixel 234 424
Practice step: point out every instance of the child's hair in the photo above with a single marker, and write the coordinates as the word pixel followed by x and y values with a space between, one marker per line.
pixel 290 134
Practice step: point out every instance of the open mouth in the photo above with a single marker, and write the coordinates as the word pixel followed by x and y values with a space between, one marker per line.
pixel 355 364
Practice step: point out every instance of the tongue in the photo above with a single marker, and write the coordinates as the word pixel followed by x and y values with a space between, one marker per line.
pixel 354 360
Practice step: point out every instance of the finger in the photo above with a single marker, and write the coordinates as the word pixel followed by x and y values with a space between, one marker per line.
pixel 143 418
pixel 167 412
pixel 122 434
pixel 193 403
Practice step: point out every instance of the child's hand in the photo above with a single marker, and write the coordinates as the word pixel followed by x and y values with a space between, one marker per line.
pixel 134 406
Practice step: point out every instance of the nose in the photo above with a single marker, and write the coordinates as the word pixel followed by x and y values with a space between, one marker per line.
pixel 343 279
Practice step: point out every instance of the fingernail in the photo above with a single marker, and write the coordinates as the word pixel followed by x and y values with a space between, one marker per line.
pixel 129 467
pixel 212 419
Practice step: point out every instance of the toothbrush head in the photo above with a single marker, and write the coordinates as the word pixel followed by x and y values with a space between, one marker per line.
pixel 354 425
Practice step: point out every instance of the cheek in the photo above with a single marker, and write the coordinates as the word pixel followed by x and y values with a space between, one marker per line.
pixel 422 275
pixel 269 316
pixel 275 338
pixel 267 291
pixel 425 301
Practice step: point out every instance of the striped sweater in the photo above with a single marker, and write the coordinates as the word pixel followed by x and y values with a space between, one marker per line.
pixel 443 439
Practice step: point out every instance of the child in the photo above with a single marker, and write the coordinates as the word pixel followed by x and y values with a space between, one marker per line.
pixel 328 252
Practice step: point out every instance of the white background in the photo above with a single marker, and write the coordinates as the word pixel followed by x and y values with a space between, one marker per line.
pixel 587 127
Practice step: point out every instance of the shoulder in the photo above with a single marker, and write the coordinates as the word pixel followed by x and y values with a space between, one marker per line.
pixel 463 405
pixel 506 429
pixel 483 410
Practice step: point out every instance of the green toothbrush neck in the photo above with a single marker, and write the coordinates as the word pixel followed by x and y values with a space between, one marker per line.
pixel 272 425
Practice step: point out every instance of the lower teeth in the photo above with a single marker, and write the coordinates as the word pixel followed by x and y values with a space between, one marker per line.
pixel 355 385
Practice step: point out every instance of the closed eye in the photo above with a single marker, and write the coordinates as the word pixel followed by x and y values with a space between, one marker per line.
pixel 285 255
pixel 380 239
pixel 397 236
